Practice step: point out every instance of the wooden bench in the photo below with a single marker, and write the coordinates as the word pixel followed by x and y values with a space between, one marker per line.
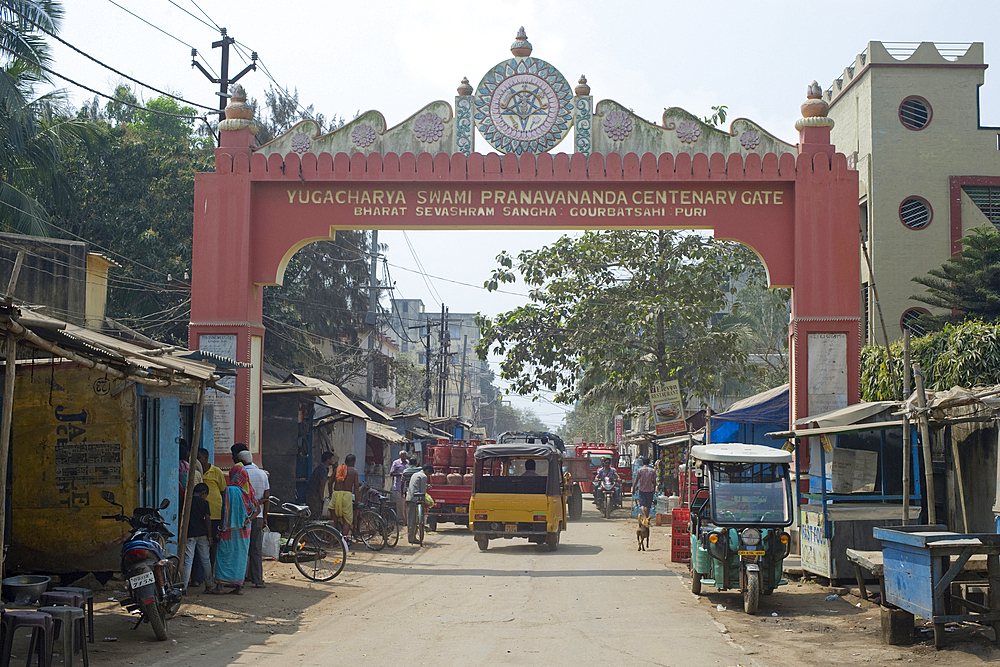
pixel 867 561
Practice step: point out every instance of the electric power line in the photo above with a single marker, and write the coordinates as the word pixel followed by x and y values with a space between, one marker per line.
pixel 104 65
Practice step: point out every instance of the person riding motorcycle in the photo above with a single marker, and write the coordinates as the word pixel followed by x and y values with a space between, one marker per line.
pixel 607 472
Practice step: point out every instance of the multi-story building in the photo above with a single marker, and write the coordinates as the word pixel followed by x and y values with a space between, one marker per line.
pixel 908 118
pixel 455 386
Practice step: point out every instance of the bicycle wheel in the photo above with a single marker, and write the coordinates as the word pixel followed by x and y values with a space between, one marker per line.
pixel 319 552
pixel 391 527
pixel 371 530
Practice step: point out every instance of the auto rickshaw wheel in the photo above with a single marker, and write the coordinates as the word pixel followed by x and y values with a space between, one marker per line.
pixel 483 542
pixel 552 540
pixel 695 581
pixel 751 594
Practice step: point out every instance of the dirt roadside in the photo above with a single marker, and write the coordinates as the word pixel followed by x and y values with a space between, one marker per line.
pixel 798 626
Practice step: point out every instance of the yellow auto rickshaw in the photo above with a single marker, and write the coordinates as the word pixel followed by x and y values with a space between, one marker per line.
pixel 518 490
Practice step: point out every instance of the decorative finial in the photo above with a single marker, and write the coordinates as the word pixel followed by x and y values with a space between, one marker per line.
pixel 239 114
pixel 521 48
pixel 814 109
pixel 582 89
pixel 814 106
pixel 466 87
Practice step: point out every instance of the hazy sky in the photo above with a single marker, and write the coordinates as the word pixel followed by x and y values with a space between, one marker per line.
pixel 755 57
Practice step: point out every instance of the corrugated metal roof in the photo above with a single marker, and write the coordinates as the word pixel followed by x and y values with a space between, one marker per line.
pixel 95 344
pixel 383 432
pixel 371 409
pixel 334 398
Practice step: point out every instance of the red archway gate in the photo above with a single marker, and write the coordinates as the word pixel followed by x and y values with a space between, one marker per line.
pixel 797 212
pixel 795 206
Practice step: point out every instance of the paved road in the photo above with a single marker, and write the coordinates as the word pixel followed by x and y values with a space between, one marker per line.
pixel 594 601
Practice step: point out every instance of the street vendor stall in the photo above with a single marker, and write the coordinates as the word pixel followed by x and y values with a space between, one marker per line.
pixel 854 484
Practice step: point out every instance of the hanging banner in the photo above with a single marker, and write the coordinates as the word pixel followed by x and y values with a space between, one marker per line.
pixel 668 408
pixel 619 430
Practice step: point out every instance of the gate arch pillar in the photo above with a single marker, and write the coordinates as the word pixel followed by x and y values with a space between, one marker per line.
pixel 226 304
pixel 825 328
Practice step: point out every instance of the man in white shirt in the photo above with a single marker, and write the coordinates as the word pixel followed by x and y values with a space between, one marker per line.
pixel 262 490
pixel 415 494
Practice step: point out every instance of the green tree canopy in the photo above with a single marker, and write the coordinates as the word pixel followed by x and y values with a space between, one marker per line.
pixel 614 312
pixel 968 283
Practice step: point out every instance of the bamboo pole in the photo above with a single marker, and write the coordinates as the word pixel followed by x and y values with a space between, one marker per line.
pixel 907 449
pixel 10 369
pixel 961 483
pixel 182 531
pixel 925 437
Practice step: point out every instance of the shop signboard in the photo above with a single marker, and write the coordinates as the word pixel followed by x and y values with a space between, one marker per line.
pixel 815 548
pixel 668 408
pixel 619 430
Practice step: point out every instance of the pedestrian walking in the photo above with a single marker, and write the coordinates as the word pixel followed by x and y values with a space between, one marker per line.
pixel 346 487
pixel 415 495
pixel 645 485
pixel 396 473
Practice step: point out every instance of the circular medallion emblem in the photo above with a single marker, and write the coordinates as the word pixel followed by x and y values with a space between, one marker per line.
pixel 523 105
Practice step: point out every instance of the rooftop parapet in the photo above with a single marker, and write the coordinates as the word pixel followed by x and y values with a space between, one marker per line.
pixel 908 54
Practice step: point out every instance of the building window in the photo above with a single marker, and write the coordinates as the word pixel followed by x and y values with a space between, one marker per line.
pixel 915 212
pixel 915 113
pixel 987 198
pixel 909 321
pixel 406 307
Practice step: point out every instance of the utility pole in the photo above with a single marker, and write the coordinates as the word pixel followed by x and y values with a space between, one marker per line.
pixel 461 384
pixel 444 340
pixel 372 319
pixel 223 80
pixel 427 373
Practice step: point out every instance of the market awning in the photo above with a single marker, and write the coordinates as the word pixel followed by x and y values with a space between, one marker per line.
pixel 374 412
pixel 849 415
pixel 768 407
pixel 835 430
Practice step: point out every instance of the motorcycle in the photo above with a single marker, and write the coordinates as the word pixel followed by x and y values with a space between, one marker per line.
pixel 151 574
pixel 607 496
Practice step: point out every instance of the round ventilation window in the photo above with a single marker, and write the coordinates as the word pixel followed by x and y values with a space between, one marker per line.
pixel 915 113
pixel 915 212
pixel 909 321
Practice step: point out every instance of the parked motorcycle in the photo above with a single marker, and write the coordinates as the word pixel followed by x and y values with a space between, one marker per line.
pixel 607 496
pixel 151 574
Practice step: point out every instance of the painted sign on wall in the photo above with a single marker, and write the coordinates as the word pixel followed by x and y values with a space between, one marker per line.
pixel 813 544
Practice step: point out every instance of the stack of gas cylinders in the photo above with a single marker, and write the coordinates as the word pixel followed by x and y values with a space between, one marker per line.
pixel 453 461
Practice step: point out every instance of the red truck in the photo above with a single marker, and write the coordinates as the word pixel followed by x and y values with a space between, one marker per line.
pixel 594 452
pixel 451 483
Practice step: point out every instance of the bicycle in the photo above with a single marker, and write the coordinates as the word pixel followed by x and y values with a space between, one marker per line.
pixel 369 527
pixel 318 550
pixel 381 503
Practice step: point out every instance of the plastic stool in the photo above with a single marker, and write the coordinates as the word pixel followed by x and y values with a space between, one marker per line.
pixel 60 598
pixel 41 635
pixel 88 596
pixel 71 622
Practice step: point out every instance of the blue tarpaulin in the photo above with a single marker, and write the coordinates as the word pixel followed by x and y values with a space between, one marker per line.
pixel 752 418
pixel 769 407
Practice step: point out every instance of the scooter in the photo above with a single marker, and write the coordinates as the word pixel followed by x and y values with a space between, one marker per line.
pixel 607 496
pixel 151 574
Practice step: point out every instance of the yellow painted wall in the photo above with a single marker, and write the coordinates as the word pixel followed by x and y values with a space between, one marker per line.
pixel 73 436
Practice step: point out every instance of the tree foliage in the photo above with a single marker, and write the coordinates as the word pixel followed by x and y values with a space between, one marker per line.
pixel 612 313
pixel 965 355
pixel 968 283
pixel 35 130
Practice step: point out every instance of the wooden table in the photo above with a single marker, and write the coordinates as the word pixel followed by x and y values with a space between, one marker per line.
pixel 918 572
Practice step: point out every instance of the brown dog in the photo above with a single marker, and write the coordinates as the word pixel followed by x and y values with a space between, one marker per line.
pixel 642 532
